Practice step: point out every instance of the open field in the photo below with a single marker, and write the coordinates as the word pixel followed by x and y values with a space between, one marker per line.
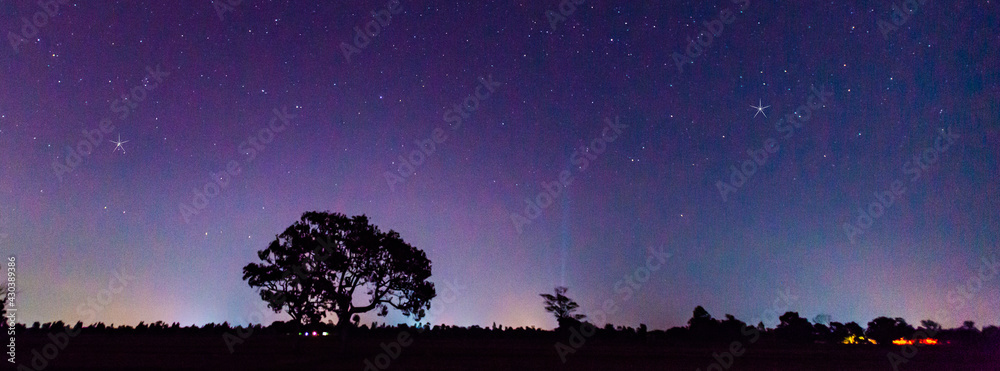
pixel 272 352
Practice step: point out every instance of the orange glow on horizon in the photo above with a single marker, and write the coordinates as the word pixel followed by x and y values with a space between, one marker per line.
pixel 926 341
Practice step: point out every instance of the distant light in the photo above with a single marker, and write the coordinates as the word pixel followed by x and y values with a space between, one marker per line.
pixel 325 333
pixel 902 341
pixel 854 339
pixel 925 341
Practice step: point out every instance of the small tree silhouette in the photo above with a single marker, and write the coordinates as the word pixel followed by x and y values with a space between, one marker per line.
pixel 969 325
pixel 884 330
pixel 930 325
pixel 794 329
pixel 702 326
pixel 562 307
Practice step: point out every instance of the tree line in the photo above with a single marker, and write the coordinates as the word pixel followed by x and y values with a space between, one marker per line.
pixel 791 329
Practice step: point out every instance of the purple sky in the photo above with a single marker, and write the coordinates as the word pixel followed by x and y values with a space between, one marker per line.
pixel 878 99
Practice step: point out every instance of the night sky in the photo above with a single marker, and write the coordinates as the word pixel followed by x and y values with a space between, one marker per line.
pixel 617 99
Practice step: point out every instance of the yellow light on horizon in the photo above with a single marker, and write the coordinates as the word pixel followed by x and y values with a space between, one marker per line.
pixel 854 339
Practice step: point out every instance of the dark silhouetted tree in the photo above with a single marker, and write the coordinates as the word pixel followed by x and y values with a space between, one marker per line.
pixel 991 334
pixel 853 328
pixel 903 329
pixel 969 325
pixel 931 326
pixel 794 329
pixel 731 328
pixel 316 266
pixel 702 326
pixel 839 332
pixel 881 329
pixel 967 333
pixel 822 332
pixel 884 330
pixel 678 335
pixel 563 308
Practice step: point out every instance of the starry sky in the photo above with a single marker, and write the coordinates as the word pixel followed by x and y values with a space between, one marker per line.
pixel 643 110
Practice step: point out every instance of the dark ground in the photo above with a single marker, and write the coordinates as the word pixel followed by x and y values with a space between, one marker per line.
pixel 273 352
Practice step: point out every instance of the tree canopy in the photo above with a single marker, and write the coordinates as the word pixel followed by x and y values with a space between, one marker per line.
pixel 317 265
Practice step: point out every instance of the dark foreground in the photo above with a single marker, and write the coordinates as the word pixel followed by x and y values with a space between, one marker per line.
pixel 275 352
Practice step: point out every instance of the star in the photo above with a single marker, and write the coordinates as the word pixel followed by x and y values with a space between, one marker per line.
pixel 118 144
pixel 760 109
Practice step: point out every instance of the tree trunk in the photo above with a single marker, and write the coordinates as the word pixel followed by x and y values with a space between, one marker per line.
pixel 343 327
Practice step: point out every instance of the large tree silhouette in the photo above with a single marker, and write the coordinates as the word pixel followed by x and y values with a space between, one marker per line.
pixel 318 264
